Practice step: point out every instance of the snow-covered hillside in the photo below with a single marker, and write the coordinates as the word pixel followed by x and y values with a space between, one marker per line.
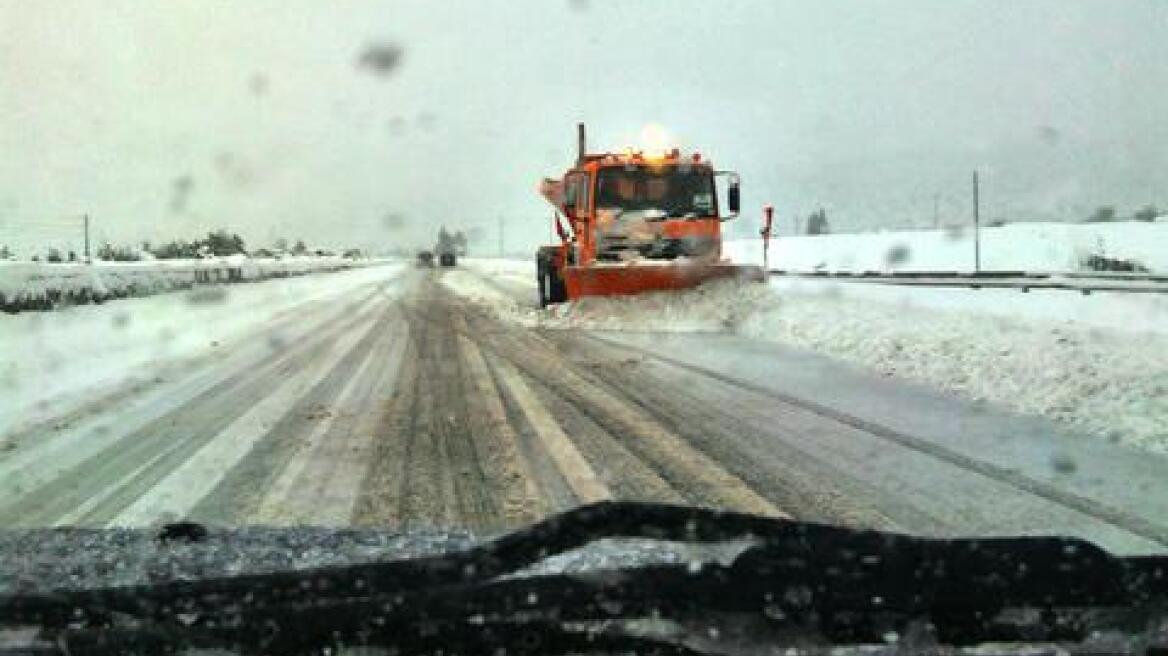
pixel 1035 247
pixel 1098 363
pixel 26 285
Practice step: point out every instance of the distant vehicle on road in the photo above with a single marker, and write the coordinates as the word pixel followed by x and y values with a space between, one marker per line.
pixel 449 247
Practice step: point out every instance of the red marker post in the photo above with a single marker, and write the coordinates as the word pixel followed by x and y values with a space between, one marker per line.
pixel 768 213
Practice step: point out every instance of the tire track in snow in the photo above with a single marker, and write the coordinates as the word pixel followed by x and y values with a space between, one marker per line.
pixel 580 476
pixel 1110 515
pixel 508 471
pixel 165 443
pixel 198 475
pixel 683 466
pixel 295 496
pixel 56 454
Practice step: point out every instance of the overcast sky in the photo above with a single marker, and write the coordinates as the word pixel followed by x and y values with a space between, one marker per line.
pixel 164 119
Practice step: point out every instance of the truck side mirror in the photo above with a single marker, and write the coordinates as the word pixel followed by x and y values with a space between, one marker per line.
pixel 733 195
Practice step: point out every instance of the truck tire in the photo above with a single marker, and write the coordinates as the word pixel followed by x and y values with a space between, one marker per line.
pixel 547 276
pixel 542 266
pixel 558 292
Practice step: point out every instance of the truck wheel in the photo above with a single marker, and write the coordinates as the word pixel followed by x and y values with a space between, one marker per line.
pixel 557 292
pixel 541 278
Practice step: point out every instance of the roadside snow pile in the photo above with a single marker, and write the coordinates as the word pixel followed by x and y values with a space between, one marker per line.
pixel 492 297
pixel 519 272
pixel 1031 247
pixel 713 307
pixel 1104 381
pixel 716 306
pixel 38 285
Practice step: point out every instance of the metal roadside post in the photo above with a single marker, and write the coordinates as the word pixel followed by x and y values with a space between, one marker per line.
pixel 976 226
pixel 768 213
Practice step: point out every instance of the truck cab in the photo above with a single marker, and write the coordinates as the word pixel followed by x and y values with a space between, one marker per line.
pixel 632 206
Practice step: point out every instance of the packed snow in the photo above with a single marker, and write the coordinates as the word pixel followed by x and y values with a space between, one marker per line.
pixel 24 283
pixel 1032 247
pixel 1098 363
pixel 50 362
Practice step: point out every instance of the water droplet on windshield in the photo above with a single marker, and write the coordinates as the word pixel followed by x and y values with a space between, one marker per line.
pixel 1063 463
pixel 897 255
pixel 258 84
pixel 381 58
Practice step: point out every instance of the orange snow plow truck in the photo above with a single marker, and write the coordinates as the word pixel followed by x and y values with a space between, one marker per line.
pixel 636 223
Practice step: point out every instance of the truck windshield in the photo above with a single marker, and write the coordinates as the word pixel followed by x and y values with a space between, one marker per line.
pixel 675 191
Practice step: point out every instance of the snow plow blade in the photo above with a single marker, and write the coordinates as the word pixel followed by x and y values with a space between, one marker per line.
pixel 624 279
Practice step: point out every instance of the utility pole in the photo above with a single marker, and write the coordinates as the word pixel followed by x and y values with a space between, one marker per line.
pixel 976 226
pixel 86 220
pixel 500 236
pixel 936 211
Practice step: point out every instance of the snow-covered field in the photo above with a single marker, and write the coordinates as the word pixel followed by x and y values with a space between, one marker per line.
pixel 1098 363
pixel 1033 247
pixel 50 362
pixel 32 283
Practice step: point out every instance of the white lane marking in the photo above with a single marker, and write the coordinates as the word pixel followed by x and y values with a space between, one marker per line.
pixel 178 493
pixel 577 472
pixel 663 444
pixel 521 497
pixel 31 468
pixel 337 491
pixel 305 489
pixel 72 517
pixel 277 504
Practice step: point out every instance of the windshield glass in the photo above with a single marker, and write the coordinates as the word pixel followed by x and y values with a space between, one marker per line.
pixel 673 190
pixel 338 282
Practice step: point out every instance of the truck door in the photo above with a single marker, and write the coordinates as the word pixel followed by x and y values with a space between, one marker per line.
pixel 576 199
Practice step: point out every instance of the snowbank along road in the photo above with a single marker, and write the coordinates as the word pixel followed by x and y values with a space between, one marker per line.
pixel 395 401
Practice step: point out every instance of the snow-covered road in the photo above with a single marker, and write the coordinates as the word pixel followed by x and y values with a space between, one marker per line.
pixel 379 397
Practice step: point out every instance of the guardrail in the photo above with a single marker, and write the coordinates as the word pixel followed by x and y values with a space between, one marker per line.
pixel 1023 281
